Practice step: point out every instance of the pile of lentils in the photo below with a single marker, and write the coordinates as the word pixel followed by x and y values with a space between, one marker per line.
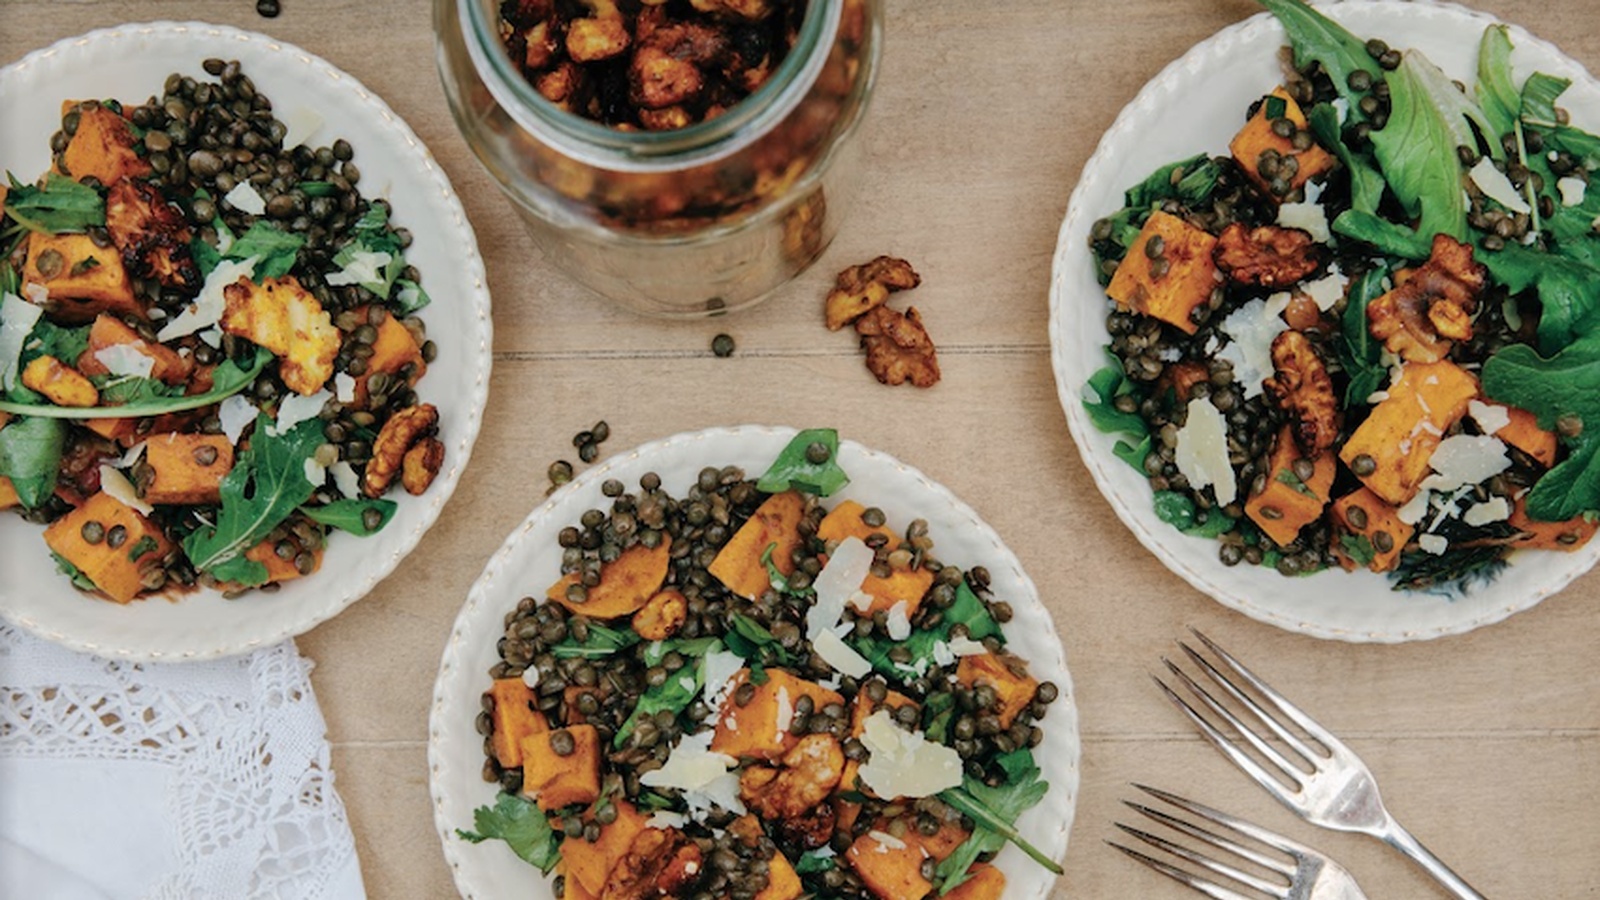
pixel 698 524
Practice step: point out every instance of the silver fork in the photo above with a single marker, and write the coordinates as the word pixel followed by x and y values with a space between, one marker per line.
pixel 1338 793
pixel 1308 875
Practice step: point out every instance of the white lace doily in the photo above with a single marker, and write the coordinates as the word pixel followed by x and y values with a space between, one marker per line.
pixel 236 750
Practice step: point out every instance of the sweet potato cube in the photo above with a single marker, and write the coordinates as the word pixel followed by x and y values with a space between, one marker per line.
pixel 83 280
pixel 102 147
pixel 8 493
pixel 117 571
pixel 752 730
pixel 626 583
pixel 1523 432
pixel 589 865
pixel 783 883
pixel 60 383
pixel 151 233
pixel 1187 273
pixel 1287 503
pixel 515 718
pixel 663 614
pixel 278 568
pixel 392 350
pixel 553 780
pixel 890 868
pixel 844 521
pixel 284 317
pixel 119 430
pixel 188 468
pixel 983 883
pixel 109 332
pixel 908 585
pixel 1379 525
pixel 777 521
pixel 1016 689
pixel 1257 137
pixel 1537 535
pixel 1389 452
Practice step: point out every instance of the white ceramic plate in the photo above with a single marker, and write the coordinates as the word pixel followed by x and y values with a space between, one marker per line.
pixel 1196 104
pixel 530 560
pixel 130 63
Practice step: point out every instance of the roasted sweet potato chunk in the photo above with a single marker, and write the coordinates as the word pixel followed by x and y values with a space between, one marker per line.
pixel 60 383
pixel 84 279
pixel 555 779
pixel 1168 273
pixel 663 614
pixel 279 568
pixel 626 583
pixel 151 233
pixel 285 318
pixel 890 867
pixel 983 882
pixel 110 332
pixel 127 547
pixel 1266 256
pixel 187 468
pixel 752 729
pixel 1364 517
pixel 514 718
pixel 1296 489
pixel 1523 432
pixel 1537 535
pixel 661 862
pixel 1273 161
pixel 588 865
pixel 1008 677
pixel 898 347
pixel 102 147
pixel 738 564
pixel 1389 452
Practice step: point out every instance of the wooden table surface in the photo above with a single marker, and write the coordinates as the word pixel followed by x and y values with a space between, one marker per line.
pixel 1488 745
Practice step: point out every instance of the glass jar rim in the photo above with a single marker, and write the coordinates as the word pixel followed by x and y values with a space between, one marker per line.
pixel 606 147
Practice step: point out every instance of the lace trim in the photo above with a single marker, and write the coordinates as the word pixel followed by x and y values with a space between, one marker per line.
pixel 253 798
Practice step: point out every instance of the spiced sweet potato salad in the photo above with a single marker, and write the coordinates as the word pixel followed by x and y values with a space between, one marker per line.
pixel 745 692
pixel 208 344
pixel 1370 336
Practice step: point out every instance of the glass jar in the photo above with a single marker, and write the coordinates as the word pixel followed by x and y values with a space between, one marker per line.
pixel 690 222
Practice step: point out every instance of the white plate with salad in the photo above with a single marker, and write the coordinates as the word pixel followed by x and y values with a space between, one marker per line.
pixel 228 560
pixel 600 673
pixel 1282 250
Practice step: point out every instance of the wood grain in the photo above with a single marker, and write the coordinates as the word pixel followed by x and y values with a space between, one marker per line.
pixel 1488 745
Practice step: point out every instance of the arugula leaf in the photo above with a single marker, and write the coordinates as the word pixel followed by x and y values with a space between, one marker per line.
pixel 74 574
pixel 780 582
pixel 601 642
pixel 227 379
pixel 1569 291
pixel 1417 150
pixel 792 470
pixel 50 339
pixel 267 483
pixel 1496 91
pixel 350 514
pixel 656 651
pixel 1099 401
pixel 1566 384
pixel 1359 352
pixel 748 637
pixel 994 810
pixel 275 250
pixel 1316 37
pixel 131 389
pixel 966 610
pixel 812 863
pixel 1179 511
pixel 1389 238
pixel 1133 454
pixel 1190 181
pixel 62 205
pixel 410 298
pixel 30 455
pixel 316 188
pixel 1359 548
pixel 1366 182
pixel 1539 94
pixel 672 695
pixel 938 714
pixel 520 824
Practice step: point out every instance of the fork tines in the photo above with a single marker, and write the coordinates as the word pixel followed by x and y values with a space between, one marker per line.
pixel 1217 878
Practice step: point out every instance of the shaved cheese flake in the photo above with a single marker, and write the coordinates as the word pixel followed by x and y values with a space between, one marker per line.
pixel 1495 509
pixel 300 124
pixel 942 656
pixel 125 360
pixel 235 413
pixel 1328 290
pixel 898 623
pixel 1251 329
pixel 209 304
pixel 841 578
pixel 835 652
pixel 1433 543
pixel 701 774
pixel 132 456
pixel 1491 417
pixel 530 677
pixel 1202 451
pixel 364 267
pixel 316 474
pixel 886 841
pixel 861 600
pixel 719 667
pixel 785 715
pixel 1572 190
pixel 117 486
pixel 1466 459
pixel 965 646
pixel 904 763
pixel 344 388
pixel 1308 217
pixel 1414 509
pixel 345 479
pixel 212 336
pixel 666 820
pixel 17 318
pixel 244 198
pixel 294 409
pixel 1496 186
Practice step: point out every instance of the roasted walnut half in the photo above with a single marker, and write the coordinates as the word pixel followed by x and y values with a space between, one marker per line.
pixel 1267 256
pixel 898 347
pixel 1420 318
pixel 407 429
pixel 860 289
pixel 1301 386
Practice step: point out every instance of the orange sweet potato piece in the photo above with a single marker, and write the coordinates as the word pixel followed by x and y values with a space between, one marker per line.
pixel 626 583
pixel 515 718
pixel 1257 137
pixel 392 350
pixel 589 865
pixel 1534 534
pixel 117 571
pixel 983 883
pixel 188 467
pixel 1381 526
pixel 844 521
pixel 909 585
pixel 120 430
pixel 783 883
pixel 889 871
pixel 284 317
pixel 1402 431
pixel 752 729
pixel 61 383
pixel 1523 432
pixel 662 615
pixel 110 331
pixel 1186 284
pixel 1016 689
pixel 84 280
pixel 553 780
pixel 777 521
pixel 278 568
pixel 102 147
pixel 1287 504
pixel 8 493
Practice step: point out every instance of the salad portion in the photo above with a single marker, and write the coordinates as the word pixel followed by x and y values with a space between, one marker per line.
pixel 208 344
pixel 745 691
pixel 1367 337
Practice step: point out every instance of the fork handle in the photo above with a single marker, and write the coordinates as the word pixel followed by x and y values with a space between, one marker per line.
pixel 1397 837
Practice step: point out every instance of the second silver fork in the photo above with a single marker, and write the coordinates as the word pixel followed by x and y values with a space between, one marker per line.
pixel 1338 793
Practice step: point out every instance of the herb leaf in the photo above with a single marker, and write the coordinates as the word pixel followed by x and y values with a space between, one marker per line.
pixel 1359 352
pixel 791 470
pixel 227 379
pixel 602 641
pixel 275 250
pixel 521 825
pixel 1566 384
pixel 30 455
pixel 672 695
pixel 62 205
pixel 1417 151
pixel 1179 511
pixel 266 484
pixel 966 610
pixel 1316 37
pixel 994 810
pixel 351 514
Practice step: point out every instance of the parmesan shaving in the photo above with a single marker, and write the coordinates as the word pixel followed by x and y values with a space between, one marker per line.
pixel 1433 543
pixel 1497 187
pixel 701 774
pixel 345 479
pixel 294 409
pixel 1202 451
pixel 117 486
pixel 125 361
pixel 841 578
pixel 1491 417
pixel 898 623
pixel 209 304
pixel 364 267
pixel 244 198
pixel 835 652
pixel 17 318
pixel 905 764
pixel 235 413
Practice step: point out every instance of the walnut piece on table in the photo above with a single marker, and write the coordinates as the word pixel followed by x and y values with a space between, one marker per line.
pixel 860 289
pixel 898 347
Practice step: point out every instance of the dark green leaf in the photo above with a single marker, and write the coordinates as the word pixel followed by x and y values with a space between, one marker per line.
pixel 995 811
pixel 938 713
pixel 1496 88
pixel 30 455
pixel 1099 401
pixel 50 339
pixel 10 278
pixel 602 641
pixel 62 205
pixel 811 863
pixel 410 298
pixel 227 379
pixel 1359 548
pixel 74 574
pixel 1539 95
pixel 695 648
pixel 275 250
pixel 1360 353
pixel 791 470
pixel 1389 238
pixel 131 390
pixel 1417 153
pixel 1569 290
pixel 1366 182
pixel 1566 384
pixel 1162 185
pixel 350 514
pixel 143 545
pixel 672 695
pixel 1581 144
pixel 967 609
pixel 267 483
pixel 241 570
pixel 1179 511
pixel 520 824
pixel 1133 454
pixel 1316 37
pixel 316 188
pixel 779 581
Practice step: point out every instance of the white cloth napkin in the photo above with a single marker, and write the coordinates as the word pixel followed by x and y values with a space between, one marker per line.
pixel 198 781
